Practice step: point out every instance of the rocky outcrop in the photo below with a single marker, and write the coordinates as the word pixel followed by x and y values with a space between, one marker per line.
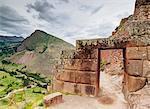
pixel 142 9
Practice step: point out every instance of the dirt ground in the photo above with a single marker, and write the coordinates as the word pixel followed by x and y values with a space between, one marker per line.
pixel 78 102
pixel 111 97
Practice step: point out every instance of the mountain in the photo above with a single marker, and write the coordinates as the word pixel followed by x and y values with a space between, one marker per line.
pixel 40 52
pixel 8 45
pixel 10 39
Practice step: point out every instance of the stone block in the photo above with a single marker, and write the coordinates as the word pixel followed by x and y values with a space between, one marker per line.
pixel 88 89
pixel 86 77
pixel 58 85
pixel 66 75
pixel 133 83
pixel 146 69
pixel 148 48
pixel 87 53
pixel 69 87
pixel 112 56
pixel 52 99
pixel 134 67
pixel 80 64
pixel 136 53
pixel 83 89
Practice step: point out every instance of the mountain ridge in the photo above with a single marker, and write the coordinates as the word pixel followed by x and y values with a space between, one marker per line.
pixel 40 52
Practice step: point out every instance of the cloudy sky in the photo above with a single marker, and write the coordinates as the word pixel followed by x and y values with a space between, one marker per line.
pixel 66 19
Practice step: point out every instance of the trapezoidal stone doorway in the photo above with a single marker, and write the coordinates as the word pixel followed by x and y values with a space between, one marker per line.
pixel 111 73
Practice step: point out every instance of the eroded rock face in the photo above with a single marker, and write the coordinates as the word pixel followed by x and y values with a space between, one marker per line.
pixel 142 9
pixel 139 99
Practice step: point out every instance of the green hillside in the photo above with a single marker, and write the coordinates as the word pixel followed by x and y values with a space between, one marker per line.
pixel 8 45
pixel 20 88
pixel 40 52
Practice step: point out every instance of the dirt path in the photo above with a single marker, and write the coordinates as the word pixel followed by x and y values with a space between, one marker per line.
pixel 15 91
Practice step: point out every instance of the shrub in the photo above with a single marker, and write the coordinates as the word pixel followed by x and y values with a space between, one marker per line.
pixel 102 65
pixel 6 62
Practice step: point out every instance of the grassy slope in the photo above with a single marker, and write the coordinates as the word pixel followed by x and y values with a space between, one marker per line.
pixel 11 79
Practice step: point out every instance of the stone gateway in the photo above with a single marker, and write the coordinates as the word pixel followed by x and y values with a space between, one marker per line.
pixel 126 55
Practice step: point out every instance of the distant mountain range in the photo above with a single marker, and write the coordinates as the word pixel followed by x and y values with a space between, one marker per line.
pixel 40 52
pixel 8 45
pixel 10 38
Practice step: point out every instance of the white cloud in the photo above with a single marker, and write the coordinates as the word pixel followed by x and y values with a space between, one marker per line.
pixel 72 19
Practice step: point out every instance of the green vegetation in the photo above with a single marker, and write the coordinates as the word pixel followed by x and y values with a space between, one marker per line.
pixel 8 45
pixel 27 99
pixel 39 41
pixel 31 86
pixel 20 85
pixel 7 50
pixel 102 65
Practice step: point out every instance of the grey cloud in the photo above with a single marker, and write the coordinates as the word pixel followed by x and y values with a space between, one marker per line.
pixel 44 10
pixel 85 8
pixel 97 9
pixel 90 9
pixel 40 6
pixel 11 22
pixel 66 1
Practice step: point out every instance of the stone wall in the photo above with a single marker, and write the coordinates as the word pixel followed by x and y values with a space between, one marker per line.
pixel 136 86
pixel 79 73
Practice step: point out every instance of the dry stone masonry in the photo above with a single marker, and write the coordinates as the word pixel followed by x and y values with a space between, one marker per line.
pixel 129 47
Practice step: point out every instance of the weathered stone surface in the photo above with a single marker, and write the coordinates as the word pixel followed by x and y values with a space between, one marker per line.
pixel 134 67
pixel 112 55
pixel 58 85
pixel 148 80
pixel 136 53
pixel 66 75
pixel 80 64
pixel 87 53
pixel 69 87
pixel 148 48
pixel 146 69
pixel 142 12
pixel 88 89
pixel 134 84
pixel 52 99
pixel 86 77
pixel 113 61
pixel 139 99
pixel 83 89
